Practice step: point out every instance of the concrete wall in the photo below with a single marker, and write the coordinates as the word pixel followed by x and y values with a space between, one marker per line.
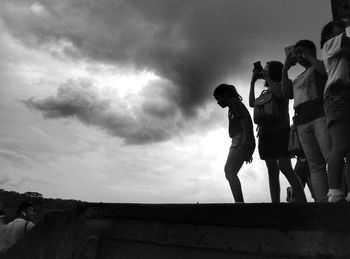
pixel 190 231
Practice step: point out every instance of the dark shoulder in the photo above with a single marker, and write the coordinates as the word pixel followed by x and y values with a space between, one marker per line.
pixel 238 107
pixel 235 103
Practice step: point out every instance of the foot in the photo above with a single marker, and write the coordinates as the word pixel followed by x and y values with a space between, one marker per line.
pixel 335 195
pixel 348 197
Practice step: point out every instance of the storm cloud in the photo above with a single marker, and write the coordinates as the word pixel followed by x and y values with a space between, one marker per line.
pixel 80 99
pixel 190 45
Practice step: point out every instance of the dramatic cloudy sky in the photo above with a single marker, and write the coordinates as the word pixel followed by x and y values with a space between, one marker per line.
pixel 111 100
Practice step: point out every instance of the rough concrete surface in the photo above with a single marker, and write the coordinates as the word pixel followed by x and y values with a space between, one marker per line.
pixel 190 231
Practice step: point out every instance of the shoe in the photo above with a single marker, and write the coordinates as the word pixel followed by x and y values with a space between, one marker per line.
pixel 335 195
pixel 347 198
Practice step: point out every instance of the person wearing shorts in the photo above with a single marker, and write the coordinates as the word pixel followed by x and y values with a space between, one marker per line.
pixel 335 44
pixel 241 133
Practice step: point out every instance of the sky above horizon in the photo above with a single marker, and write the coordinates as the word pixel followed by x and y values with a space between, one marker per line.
pixel 111 101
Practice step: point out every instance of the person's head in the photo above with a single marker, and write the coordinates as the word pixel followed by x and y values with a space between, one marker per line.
pixel 305 46
pixel 25 210
pixel 274 70
pixel 331 30
pixel 223 93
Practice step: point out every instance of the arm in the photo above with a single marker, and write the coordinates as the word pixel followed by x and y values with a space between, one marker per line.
pixel 244 121
pixel 337 45
pixel 252 88
pixel 245 124
pixel 286 83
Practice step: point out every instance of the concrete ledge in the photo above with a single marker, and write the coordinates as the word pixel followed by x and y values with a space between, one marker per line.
pixel 191 231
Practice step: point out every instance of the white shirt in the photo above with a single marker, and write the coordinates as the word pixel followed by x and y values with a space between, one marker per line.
pixel 336 60
pixel 15 230
pixel 305 86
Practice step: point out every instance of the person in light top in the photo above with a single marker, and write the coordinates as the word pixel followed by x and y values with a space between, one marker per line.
pixel 16 229
pixel 335 44
pixel 307 91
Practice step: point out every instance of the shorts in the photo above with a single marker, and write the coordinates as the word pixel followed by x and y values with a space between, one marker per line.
pixel 337 104
pixel 274 144
pixel 237 145
pixel 239 152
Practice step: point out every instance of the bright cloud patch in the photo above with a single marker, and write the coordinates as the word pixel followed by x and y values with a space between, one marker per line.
pixel 82 100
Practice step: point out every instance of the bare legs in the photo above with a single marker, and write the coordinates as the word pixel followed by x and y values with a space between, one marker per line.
pixel 233 164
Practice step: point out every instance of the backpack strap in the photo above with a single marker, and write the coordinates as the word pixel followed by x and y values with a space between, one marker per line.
pixel 25 227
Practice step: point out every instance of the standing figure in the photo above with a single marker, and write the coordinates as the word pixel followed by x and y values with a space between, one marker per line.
pixel 336 56
pixel 307 91
pixel 274 135
pixel 241 132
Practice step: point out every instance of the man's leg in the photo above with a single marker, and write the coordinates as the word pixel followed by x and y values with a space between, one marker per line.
pixel 316 161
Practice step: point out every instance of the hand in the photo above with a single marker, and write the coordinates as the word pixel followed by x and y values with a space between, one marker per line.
pixel 249 160
pixel 291 60
pixel 256 75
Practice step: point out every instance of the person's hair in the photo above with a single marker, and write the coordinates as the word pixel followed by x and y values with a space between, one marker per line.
pixel 306 44
pixel 275 70
pixel 23 207
pixel 230 90
pixel 328 30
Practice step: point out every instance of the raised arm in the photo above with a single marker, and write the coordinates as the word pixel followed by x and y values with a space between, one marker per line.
pixel 252 88
pixel 286 83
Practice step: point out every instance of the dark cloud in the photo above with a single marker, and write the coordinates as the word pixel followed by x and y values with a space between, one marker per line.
pixel 80 99
pixel 192 45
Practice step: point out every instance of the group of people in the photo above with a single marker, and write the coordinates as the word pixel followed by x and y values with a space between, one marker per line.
pixel 321 96
pixel 15 230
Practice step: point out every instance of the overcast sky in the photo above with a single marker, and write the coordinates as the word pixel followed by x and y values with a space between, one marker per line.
pixel 111 100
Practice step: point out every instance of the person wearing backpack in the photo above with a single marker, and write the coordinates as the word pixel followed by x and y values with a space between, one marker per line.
pixel 273 131
pixel 307 91
pixel 16 229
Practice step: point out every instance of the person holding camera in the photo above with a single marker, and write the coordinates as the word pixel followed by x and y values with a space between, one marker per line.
pixel 310 121
pixel 273 135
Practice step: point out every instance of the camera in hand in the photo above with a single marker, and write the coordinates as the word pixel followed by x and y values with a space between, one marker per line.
pixel 292 52
pixel 258 67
